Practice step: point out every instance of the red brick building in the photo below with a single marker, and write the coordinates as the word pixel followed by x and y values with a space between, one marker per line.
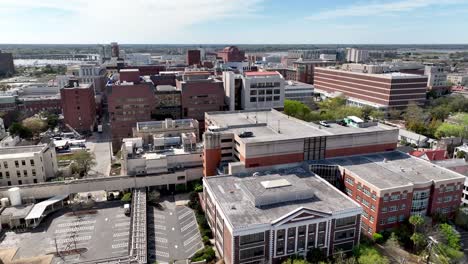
pixel 384 90
pixel 36 104
pixel 79 105
pixel 130 100
pixel 200 93
pixel 305 69
pixel 193 57
pixel 392 186
pixel 273 215
pixel 231 54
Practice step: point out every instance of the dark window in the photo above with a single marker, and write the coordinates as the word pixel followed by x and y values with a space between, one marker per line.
pixel 343 246
pixel 23 162
pixel 31 162
pixel 276 98
pixel 25 173
pixel 252 252
pixel 276 91
pixel 345 221
pixel 253 99
pixel 226 155
pixel 20 182
pixel 226 140
pixel 252 238
pixel 35 180
pixel 9 183
pixel 16 164
pixel 339 235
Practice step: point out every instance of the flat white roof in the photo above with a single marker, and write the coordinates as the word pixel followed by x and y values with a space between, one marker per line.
pixel 39 208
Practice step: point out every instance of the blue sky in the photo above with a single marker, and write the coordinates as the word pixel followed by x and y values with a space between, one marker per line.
pixel 234 21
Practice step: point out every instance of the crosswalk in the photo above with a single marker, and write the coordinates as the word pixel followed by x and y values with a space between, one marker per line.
pixel 73 232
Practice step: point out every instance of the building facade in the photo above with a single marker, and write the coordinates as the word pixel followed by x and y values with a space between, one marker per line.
pixel 305 69
pixel 130 101
pixel 298 91
pixel 79 106
pixel 7 68
pixel 165 128
pixel 168 103
pixel 392 186
pixel 436 78
pixel 356 55
pixel 267 218
pixel 193 57
pixel 231 54
pixel 239 140
pixel 200 93
pixel 27 164
pixel 385 90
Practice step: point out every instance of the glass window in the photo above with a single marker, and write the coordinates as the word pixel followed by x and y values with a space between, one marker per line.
pixel 252 238
pixel 345 234
pixel 23 163
pixel 384 209
pixel 252 252
pixel 276 91
pixel 345 221
pixel 253 99
pixel 253 92
pixel 16 164
pixel 31 162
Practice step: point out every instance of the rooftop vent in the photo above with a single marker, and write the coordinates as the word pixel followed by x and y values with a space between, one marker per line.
pixel 275 183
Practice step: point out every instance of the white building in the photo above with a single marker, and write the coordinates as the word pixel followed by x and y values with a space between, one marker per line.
pixel 86 74
pixel 257 90
pixel 167 128
pixel 167 155
pixel 328 57
pixel 436 77
pixel 27 164
pixel 458 79
pixel 356 55
pixel 299 91
pixel 136 59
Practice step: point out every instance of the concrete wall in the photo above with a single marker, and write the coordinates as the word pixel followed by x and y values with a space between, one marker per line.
pixel 46 190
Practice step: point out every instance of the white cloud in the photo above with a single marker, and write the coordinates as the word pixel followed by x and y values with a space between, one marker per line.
pixel 379 8
pixel 127 21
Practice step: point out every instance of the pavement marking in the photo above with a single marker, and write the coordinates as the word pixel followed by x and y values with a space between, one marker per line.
pixel 62 235
pixel 184 215
pixel 119 239
pixel 191 231
pixel 160 227
pixel 159 233
pixel 70 230
pixel 122 224
pixel 119 251
pixel 121 234
pixel 120 245
pixel 160 246
pixel 161 240
pixel 187 226
pixel 66 240
pixel 162 254
pixel 190 240
pixel 189 250
pixel 159 216
pixel 76 223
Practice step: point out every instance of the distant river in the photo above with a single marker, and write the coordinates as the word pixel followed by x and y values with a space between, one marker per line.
pixel 39 62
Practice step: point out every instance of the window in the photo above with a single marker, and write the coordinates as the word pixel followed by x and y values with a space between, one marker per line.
pixel 365 214
pixel 322 226
pixel 5 165
pixel 261 99
pixel 276 91
pixel 384 209
pixel 253 92
pixel 350 181
pixel 392 219
pixel 365 203
pixel 359 198
pixel 269 92
pixel 180 178
pixel 252 252
pixel 401 218
pixel 374 197
pixel 382 222
pixel 291 232
pixel 371 219
pixel 16 164
pixel 33 171
pixel 31 162
pixel 385 198
pixel 18 174
pixel 395 197
pixel 372 207
pixel 20 182
pixel 252 238
pixel 393 208
pixel 349 191
pixel 268 98
pixel 449 188
pixel 253 99
pixel 7 174
pixel 404 195
pixel 403 207
pixel 343 247
pixel 226 140
pixel 23 163
pixel 1 175
pixel 25 173
pixel 366 192
pixel 276 98
pixel 224 155
pixel 345 234
pixel 321 239
pixel 345 221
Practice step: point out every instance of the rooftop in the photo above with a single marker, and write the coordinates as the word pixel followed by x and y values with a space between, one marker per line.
pixel 257 73
pixel 392 169
pixel 264 198
pixel 21 151
pixel 272 125
pixel 389 75
pixel 20 211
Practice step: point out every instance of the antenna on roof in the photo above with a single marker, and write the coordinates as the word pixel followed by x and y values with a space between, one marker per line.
pixel 279 128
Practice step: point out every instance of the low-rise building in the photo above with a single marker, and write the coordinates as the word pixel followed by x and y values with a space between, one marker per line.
pixel 267 217
pixel 409 137
pixel 166 128
pixel 392 186
pixel 244 139
pixel 436 78
pixel 27 164
pixel 79 105
pixel 460 79
pixel 299 91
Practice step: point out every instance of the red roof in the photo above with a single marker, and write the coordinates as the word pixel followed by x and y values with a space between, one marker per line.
pixel 265 73
pixel 438 154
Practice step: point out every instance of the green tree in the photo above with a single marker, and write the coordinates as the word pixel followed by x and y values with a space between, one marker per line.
pixel 416 221
pixel 440 112
pixel 296 109
pixel 315 255
pixel 366 254
pixel 377 114
pixel 127 197
pixel 378 238
pixel 36 125
pixel 17 129
pixel 366 112
pixel 419 241
pixel 332 103
pixel 452 238
pixel 449 130
pixel 82 162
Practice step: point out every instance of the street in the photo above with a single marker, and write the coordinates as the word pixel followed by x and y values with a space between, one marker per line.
pixel 99 144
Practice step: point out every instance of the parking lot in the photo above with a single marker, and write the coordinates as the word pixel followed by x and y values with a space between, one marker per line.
pixel 100 232
pixel 173 233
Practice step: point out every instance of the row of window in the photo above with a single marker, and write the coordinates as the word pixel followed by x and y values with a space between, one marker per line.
pixel 263 92
pixel 395 197
pixel 392 219
pixel 393 208
pixel 450 188
pixel 262 85
pixel 17 163
pixel 446 199
pixel 18 174
pixel 20 182
pixel 264 98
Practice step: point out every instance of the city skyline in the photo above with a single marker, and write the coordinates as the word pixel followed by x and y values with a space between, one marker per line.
pixel 247 22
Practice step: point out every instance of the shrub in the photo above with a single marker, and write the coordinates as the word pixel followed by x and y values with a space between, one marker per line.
pixel 207 253
pixel 206 240
pixel 127 197
pixel 378 238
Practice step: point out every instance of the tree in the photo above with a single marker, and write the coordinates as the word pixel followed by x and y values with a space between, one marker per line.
pixel 451 238
pixel 378 238
pixel 153 197
pixel 369 255
pixel 419 241
pixel 17 129
pixel 127 197
pixel 82 162
pixel 451 130
pixel 315 255
pixel 366 112
pixel 333 103
pixel 416 221
pixel 394 114
pixel 296 109
pixel 52 120
pixel 34 124
pixel 440 112
pixel 377 114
